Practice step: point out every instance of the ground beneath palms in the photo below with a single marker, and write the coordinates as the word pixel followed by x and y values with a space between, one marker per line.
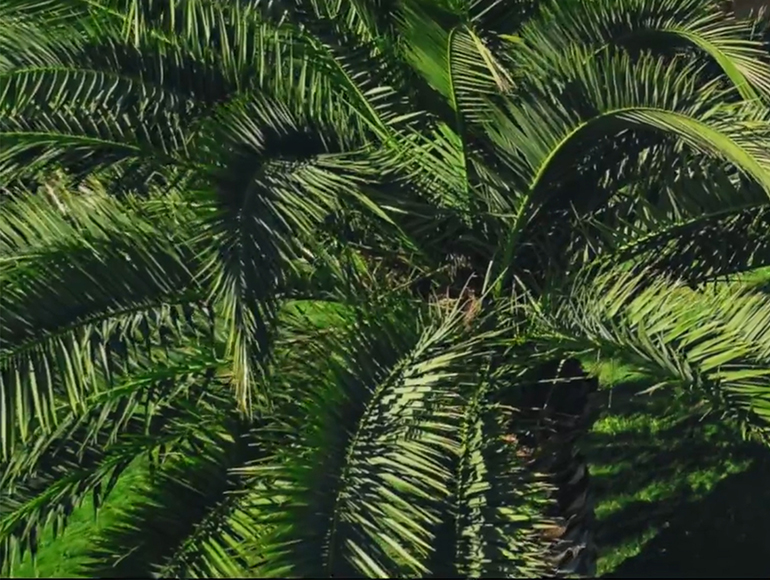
pixel 677 497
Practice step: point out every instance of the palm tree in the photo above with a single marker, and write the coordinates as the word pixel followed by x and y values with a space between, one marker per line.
pixel 323 269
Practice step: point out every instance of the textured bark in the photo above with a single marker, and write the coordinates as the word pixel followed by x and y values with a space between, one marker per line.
pixel 555 410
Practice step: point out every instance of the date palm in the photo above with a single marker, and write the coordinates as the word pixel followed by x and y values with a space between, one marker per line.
pixel 322 269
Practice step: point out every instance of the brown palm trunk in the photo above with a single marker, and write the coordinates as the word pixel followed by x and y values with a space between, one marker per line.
pixel 555 410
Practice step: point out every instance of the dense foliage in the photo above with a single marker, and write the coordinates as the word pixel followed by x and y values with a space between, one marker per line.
pixel 315 266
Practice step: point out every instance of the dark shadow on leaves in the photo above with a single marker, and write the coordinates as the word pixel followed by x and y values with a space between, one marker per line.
pixel 719 534
pixel 723 535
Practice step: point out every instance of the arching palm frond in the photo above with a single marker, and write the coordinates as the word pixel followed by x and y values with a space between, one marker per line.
pixel 370 399
pixel 661 26
pixel 156 124
pixel 81 284
pixel 171 418
pixel 378 402
pixel 671 224
pixel 545 146
pixel 155 413
pixel 373 470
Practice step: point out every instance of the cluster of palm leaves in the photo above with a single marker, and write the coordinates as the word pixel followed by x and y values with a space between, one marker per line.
pixel 323 269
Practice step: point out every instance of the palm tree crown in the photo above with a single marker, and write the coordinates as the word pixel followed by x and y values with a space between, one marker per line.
pixel 314 267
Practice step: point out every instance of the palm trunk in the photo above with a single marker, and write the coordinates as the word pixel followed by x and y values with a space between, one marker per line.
pixel 555 410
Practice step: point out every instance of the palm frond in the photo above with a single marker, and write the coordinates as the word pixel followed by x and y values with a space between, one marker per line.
pixel 678 212
pixel 694 249
pixel 271 195
pixel 389 397
pixel 609 96
pixel 642 25
pixel 501 503
pixel 710 342
pixel 542 144
pixel 193 518
pixel 79 285
pixel 153 413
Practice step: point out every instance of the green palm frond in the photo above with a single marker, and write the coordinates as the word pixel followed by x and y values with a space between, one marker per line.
pixel 139 91
pixel 500 503
pixel 695 223
pixel 194 518
pixel 605 99
pixel 710 342
pixel 173 417
pixel 81 282
pixel 392 394
pixel 154 413
pixel 201 514
pixel 651 25
pixel 354 420
pixel 609 96
pixel 37 30
pixel 264 209
pixel 696 249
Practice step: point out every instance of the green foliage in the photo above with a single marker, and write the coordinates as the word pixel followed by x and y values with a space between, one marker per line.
pixel 298 261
